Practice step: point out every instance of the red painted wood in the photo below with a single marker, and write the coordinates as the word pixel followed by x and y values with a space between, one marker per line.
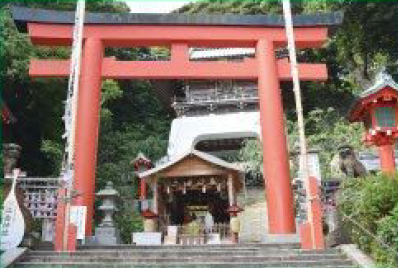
pixel 180 69
pixel 205 70
pixel 306 232
pixel 72 233
pixel 366 105
pixel 387 157
pixel 276 167
pixel 305 236
pixel 143 190
pixel 316 207
pixel 153 35
pixel 60 221
pixel 179 52
pixel 87 127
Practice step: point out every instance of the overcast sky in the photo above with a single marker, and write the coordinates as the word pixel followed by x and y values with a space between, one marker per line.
pixel 150 6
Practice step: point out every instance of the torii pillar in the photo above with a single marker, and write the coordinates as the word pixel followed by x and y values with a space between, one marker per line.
pixel 275 154
pixel 87 127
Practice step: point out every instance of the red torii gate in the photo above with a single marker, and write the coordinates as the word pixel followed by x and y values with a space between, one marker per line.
pixel 180 32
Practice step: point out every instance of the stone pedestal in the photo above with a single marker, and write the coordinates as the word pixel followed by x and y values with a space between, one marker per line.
pixel 235 227
pixel 233 211
pixel 107 235
pixel 150 221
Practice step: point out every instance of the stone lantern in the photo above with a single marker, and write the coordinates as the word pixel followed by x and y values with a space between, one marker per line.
pixel 233 211
pixel 377 109
pixel 106 233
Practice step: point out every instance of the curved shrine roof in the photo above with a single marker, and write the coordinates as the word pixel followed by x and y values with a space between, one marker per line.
pixel 201 155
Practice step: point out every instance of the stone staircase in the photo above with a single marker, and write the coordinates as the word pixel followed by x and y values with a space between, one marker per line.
pixel 206 256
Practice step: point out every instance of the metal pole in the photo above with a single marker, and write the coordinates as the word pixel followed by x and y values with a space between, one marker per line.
pixel 299 109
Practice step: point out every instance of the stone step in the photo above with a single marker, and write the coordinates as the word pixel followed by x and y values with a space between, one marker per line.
pixel 251 246
pixel 184 258
pixel 201 256
pixel 46 265
pixel 290 264
pixel 123 253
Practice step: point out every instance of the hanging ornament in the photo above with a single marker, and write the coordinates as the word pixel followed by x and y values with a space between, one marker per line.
pixel 184 189
pixel 204 188
pixel 219 187
pixel 168 189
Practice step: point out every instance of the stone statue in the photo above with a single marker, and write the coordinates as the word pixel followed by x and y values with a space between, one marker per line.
pixel 345 164
pixel 11 153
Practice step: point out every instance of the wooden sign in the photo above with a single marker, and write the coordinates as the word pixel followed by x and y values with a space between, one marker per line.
pixel 12 228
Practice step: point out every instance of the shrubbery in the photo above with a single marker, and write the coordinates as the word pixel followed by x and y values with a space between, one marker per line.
pixel 372 203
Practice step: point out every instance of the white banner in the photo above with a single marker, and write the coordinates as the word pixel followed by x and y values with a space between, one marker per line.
pixel 78 218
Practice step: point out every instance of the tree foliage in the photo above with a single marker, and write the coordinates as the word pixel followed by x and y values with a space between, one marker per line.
pixel 372 203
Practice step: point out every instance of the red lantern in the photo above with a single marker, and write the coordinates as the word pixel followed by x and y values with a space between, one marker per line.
pixel 142 163
pixel 377 109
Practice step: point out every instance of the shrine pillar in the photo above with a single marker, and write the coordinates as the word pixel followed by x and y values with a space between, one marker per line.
pixel 231 191
pixel 155 201
pixel 387 157
pixel 275 154
pixel 143 192
pixel 87 127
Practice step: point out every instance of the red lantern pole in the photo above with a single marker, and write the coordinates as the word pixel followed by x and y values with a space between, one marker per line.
pixel 387 157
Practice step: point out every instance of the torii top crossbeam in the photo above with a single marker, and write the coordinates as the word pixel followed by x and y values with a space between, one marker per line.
pixel 179 33
pixel 55 28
